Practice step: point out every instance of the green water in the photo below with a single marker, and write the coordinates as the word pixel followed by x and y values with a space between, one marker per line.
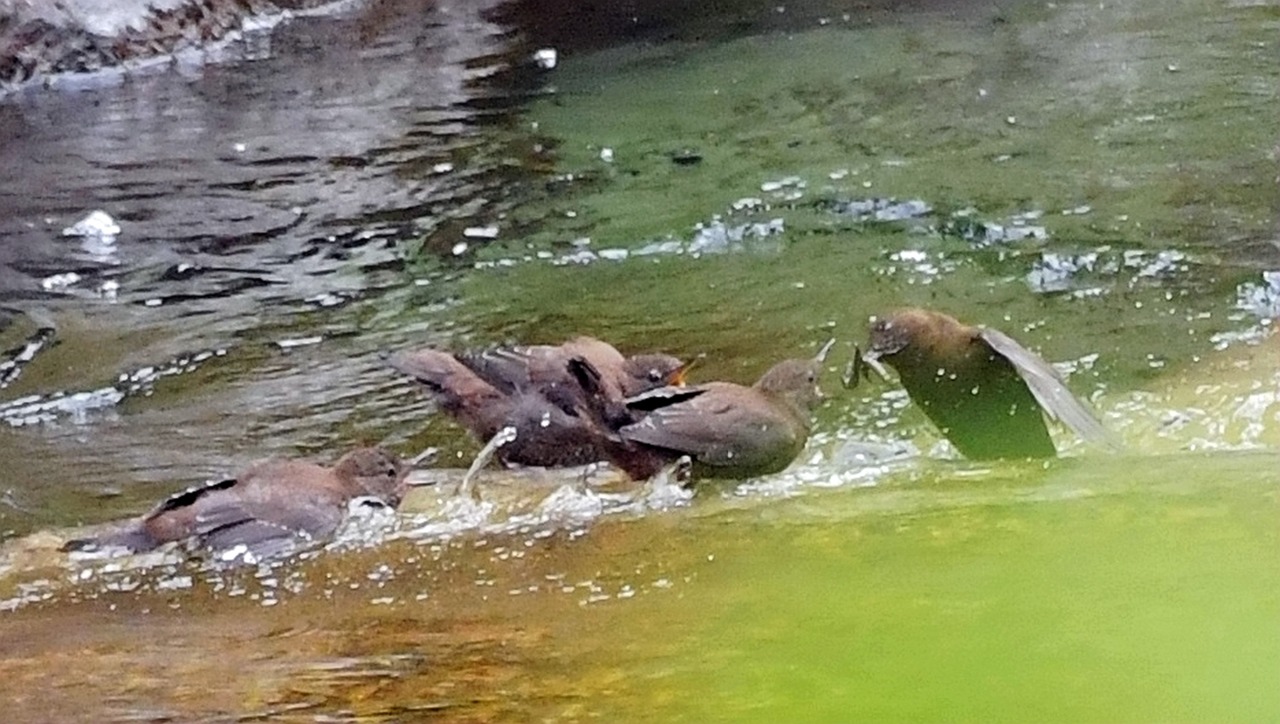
pixel 1056 597
pixel 1159 121
pixel 1137 587
pixel 1155 112
pixel 1087 590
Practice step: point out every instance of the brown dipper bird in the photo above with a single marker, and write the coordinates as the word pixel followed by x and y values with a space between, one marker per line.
pixel 543 367
pixel 268 508
pixel 728 430
pixel 981 388
pixel 530 390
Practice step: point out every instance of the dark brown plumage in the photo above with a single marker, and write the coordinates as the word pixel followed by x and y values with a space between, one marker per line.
pixel 543 367
pixel 531 390
pixel 269 508
pixel 983 390
pixel 728 430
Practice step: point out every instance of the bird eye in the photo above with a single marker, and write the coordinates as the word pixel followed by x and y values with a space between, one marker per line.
pixel 655 375
pixel 391 471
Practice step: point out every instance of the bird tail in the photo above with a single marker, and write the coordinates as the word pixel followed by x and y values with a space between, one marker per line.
pixel 447 379
pixel 428 366
pixel 127 534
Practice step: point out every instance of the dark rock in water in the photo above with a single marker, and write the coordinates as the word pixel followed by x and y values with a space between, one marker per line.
pixel 42 37
pixel 686 157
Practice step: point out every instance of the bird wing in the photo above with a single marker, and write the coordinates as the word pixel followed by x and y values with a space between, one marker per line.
pixel 680 429
pixel 263 539
pixel 536 369
pixel 662 397
pixel 1048 388
pixel 455 388
pixel 190 496
pixel 444 374
pixel 506 368
pixel 226 513
pixel 268 531
pixel 693 427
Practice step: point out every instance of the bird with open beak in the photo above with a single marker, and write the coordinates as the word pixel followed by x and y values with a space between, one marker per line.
pixel 986 392
pixel 528 391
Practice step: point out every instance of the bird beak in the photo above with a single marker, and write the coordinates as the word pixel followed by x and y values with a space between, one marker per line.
pixel 861 367
pixel 826 348
pixel 677 378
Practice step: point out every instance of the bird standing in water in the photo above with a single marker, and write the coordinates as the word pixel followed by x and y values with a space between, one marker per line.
pixel 267 509
pixel 983 390
pixel 728 430
pixel 530 391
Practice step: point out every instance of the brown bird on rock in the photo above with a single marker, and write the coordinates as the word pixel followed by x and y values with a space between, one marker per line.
pixel 983 390
pixel 728 430
pixel 268 508
pixel 530 390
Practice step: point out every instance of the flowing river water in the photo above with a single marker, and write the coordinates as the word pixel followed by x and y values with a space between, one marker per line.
pixel 1099 180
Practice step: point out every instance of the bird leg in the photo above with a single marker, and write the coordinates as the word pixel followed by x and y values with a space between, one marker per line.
pixel 582 484
pixel 678 474
pixel 504 436
pixel 681 472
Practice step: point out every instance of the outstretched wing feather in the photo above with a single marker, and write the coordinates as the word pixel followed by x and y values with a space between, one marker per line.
pixel 1049 389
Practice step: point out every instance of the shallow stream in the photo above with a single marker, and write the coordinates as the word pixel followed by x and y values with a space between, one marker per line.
pixel 1097 180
